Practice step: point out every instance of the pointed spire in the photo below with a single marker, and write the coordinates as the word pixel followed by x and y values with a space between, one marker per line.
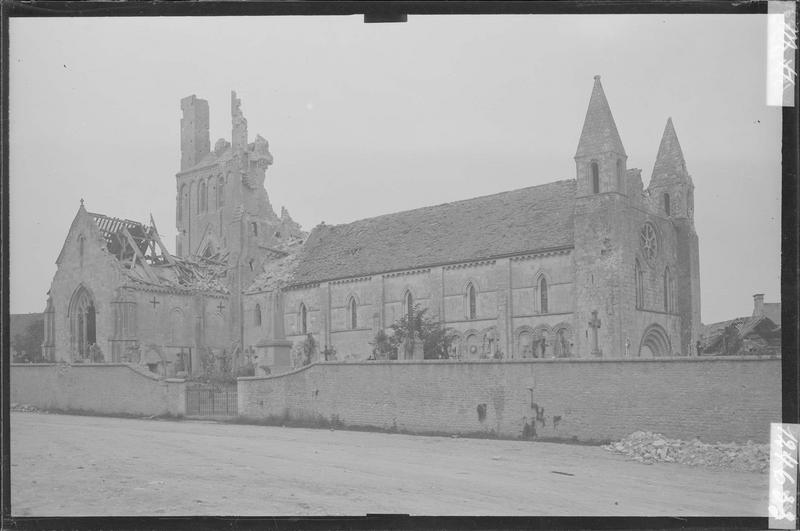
pixel 599 133
pixel 669 160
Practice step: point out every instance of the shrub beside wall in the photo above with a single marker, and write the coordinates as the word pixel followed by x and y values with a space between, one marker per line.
pixel 111 389
pixel 715 399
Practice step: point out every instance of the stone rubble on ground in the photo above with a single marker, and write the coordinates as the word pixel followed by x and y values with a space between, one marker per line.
pixel 24 407
pixel 649 448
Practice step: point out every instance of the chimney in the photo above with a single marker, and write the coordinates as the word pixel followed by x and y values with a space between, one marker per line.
pixel 758 305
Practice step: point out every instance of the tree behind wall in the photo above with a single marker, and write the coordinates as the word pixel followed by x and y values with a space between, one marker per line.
pixel 27 346
pixel 436 339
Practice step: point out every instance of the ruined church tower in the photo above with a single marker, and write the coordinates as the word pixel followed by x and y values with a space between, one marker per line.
pixel 223 209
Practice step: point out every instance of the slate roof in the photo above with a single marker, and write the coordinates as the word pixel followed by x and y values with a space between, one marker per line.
pixel 529 219
pixel 761 325
pixel 773 311
pixel 599 133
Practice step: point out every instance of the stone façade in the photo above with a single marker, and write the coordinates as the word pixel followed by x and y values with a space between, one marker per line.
pixel 516 274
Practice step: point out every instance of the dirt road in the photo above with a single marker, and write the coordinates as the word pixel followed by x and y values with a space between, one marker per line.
pixel 69 465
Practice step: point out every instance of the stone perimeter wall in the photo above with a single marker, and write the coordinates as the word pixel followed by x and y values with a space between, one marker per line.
pixel 715 399
pixel 112 389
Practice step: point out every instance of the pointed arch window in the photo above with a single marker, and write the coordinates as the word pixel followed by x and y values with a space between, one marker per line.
pixel 81 246
pixel 220 192
pixel 199 195
pixel 666 204
pixel 639 279
pixel 472 303
pixel 543 308
pixel 181 196
pixel 188 199
pixel 203 196
pixel 669 298
pixel 257 315
pixel 303 319
pixel 82 323
pixel 409 304
pixel 352 313
pixel 595 178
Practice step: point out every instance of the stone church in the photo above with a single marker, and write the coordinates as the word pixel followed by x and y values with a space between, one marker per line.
pixel 595 266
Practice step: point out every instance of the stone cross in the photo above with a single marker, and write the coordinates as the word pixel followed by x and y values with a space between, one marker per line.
pixel 154 302
pixel 220 307
pixel 594 324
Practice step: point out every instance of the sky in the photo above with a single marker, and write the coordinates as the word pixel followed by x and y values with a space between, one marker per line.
pixel 368 119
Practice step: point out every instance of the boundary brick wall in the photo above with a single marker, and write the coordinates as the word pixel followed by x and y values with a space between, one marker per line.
pixel 112 389
pixel 716 399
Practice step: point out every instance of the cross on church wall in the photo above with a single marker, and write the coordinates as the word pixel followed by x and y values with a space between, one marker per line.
pixel 595 322
pixel 154 302
pixel 220 307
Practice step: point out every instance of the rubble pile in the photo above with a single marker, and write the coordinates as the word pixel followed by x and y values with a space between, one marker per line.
pixel 208 274
pixel 647 447
pixel 280 271
pixel 23 407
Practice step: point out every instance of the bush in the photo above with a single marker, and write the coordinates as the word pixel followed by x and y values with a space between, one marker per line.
pixel 436 339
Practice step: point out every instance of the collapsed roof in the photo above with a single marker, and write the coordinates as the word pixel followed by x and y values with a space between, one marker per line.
pixel 144 258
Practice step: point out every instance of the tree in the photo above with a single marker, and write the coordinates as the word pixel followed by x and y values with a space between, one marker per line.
pixel 731 342
pixel 27 347
pixel 309 349
pixel 436 339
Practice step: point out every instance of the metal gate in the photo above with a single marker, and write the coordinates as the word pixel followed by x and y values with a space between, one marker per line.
pixel 204 402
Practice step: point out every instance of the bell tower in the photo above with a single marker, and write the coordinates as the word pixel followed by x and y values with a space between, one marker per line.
pixel 601 161
pixel 601 240
pixel 672 195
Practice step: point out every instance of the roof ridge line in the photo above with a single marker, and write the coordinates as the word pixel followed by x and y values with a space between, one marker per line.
pixel 452 202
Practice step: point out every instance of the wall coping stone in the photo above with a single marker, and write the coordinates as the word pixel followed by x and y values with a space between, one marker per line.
pixel 529 361
pixel 131 366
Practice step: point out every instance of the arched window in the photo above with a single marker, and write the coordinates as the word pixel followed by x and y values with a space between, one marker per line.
pixel 199 196
pixel 595 178
pixel 639 279
pixel 181 196
pixel 203 196
pixel 254 227
pixel 352 312
pixel 620 177
pixel 81 241
pixel 188 199
pixel 543 295
pixel 257 315
pixel 668 300
pixel 220 192
pixel 409 304
pixel 303 319
pixel 82 323
pixel 666 204
pixel 472 306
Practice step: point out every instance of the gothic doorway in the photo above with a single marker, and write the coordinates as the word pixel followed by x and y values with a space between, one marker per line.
pixel 655 343
pixel 83 323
